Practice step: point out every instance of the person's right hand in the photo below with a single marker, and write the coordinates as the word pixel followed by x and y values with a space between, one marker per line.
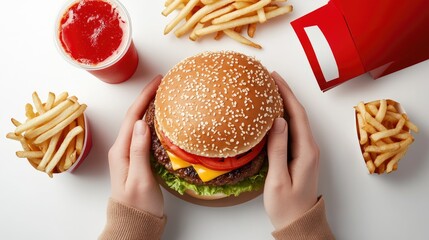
pixel 291 183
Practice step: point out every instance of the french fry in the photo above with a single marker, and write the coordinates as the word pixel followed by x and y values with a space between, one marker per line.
pixel 41 119
pixel 60 165
pixel 29 113
pixel 69 160
pixel 38 103
pixel 402 135
pixel 59 153
pixel 241 4
pixel 60 98
pixel 193 36
pixel 372 109
pixel 240 12
pixel 362 109
pixel 394 161
pixel 240 38
pixel 217 13
pixel 367 156
pixel 381 168
pixel 207 2
pixel 35 132
pixel 238 29
pixel 371 167
pixel 15 122
pixel 383 148
pixel 377 125
pixel 251 29
pixel 199 15
pixel 363 135
pixel 242 21
pixel 29 154
pixel 391 108
pixel 261 15
pixel 49 152
pixel 248 1
pixel 61 125
pixel 13 136
pixel 81 136
pixel 182 15
pixel 412 126
pixel 219 35
pixel 381 111
pixel 50 101
pixel 56 128
pixel 204 17
pixel 167 2
pixel 171 7
pixel 388 132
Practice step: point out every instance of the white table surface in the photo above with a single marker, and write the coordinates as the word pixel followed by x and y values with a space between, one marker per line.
pixel 72 206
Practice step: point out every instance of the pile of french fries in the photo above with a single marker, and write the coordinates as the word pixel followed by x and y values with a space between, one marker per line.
pixel 53 134
pixel 222 17
pixel 384 134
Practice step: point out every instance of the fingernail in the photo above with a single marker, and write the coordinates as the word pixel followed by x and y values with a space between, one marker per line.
pixel 139 128
pixel 279 126
pixel 275 74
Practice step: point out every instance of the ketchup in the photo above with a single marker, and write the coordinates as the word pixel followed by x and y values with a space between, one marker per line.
pixel 91 31
pixel 96 34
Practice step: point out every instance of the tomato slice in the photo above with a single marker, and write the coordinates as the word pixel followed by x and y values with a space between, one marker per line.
pixel 223 164
pixel 189 157
pixel 178 151
pixel 232 163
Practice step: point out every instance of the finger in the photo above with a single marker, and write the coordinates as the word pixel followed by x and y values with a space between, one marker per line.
pixel 299 126
pixel 277 153
pixel 304 149
pixel 140 153
pixel 134 113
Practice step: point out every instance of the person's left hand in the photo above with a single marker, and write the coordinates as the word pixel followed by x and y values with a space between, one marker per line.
pixel 133 183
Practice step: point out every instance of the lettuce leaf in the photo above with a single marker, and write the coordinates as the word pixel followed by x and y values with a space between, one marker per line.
pixel 253 183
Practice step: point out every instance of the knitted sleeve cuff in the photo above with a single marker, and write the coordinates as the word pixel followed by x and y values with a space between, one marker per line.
pixel 311 226
pixel 124 222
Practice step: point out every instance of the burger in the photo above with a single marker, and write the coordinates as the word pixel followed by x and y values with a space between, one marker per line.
pixel 209 123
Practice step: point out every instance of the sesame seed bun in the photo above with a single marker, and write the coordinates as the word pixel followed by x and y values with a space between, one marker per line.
pixel 217 104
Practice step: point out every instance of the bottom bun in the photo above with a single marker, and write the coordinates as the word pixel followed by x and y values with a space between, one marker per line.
pixel 215 196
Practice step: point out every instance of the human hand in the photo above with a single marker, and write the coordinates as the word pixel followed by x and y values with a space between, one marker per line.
pixel 291 183
pixel 133 183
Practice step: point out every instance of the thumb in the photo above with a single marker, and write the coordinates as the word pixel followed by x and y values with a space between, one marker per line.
pixel 277 151
pixel 140 151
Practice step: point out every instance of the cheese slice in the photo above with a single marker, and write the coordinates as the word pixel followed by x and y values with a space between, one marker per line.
pixel 204 173
pixel 207 174
pixel 176 162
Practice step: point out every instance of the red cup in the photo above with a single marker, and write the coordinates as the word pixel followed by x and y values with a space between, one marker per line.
pixel 95 35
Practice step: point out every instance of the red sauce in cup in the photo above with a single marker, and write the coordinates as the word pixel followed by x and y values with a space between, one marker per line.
pixel 95 35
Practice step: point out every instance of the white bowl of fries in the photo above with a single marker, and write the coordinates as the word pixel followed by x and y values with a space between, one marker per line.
pixel 384 134
pixel 55 137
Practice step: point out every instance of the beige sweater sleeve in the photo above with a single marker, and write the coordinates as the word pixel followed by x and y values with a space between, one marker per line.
pixel 124 222
pixel 311 226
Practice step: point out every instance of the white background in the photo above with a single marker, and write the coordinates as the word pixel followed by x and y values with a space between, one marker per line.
pixel 72 206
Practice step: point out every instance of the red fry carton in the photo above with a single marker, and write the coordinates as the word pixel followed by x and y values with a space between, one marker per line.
pixel 346 38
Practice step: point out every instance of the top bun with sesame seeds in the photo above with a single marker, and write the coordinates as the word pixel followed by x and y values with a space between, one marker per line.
pixel 209 122
pixel 217 104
